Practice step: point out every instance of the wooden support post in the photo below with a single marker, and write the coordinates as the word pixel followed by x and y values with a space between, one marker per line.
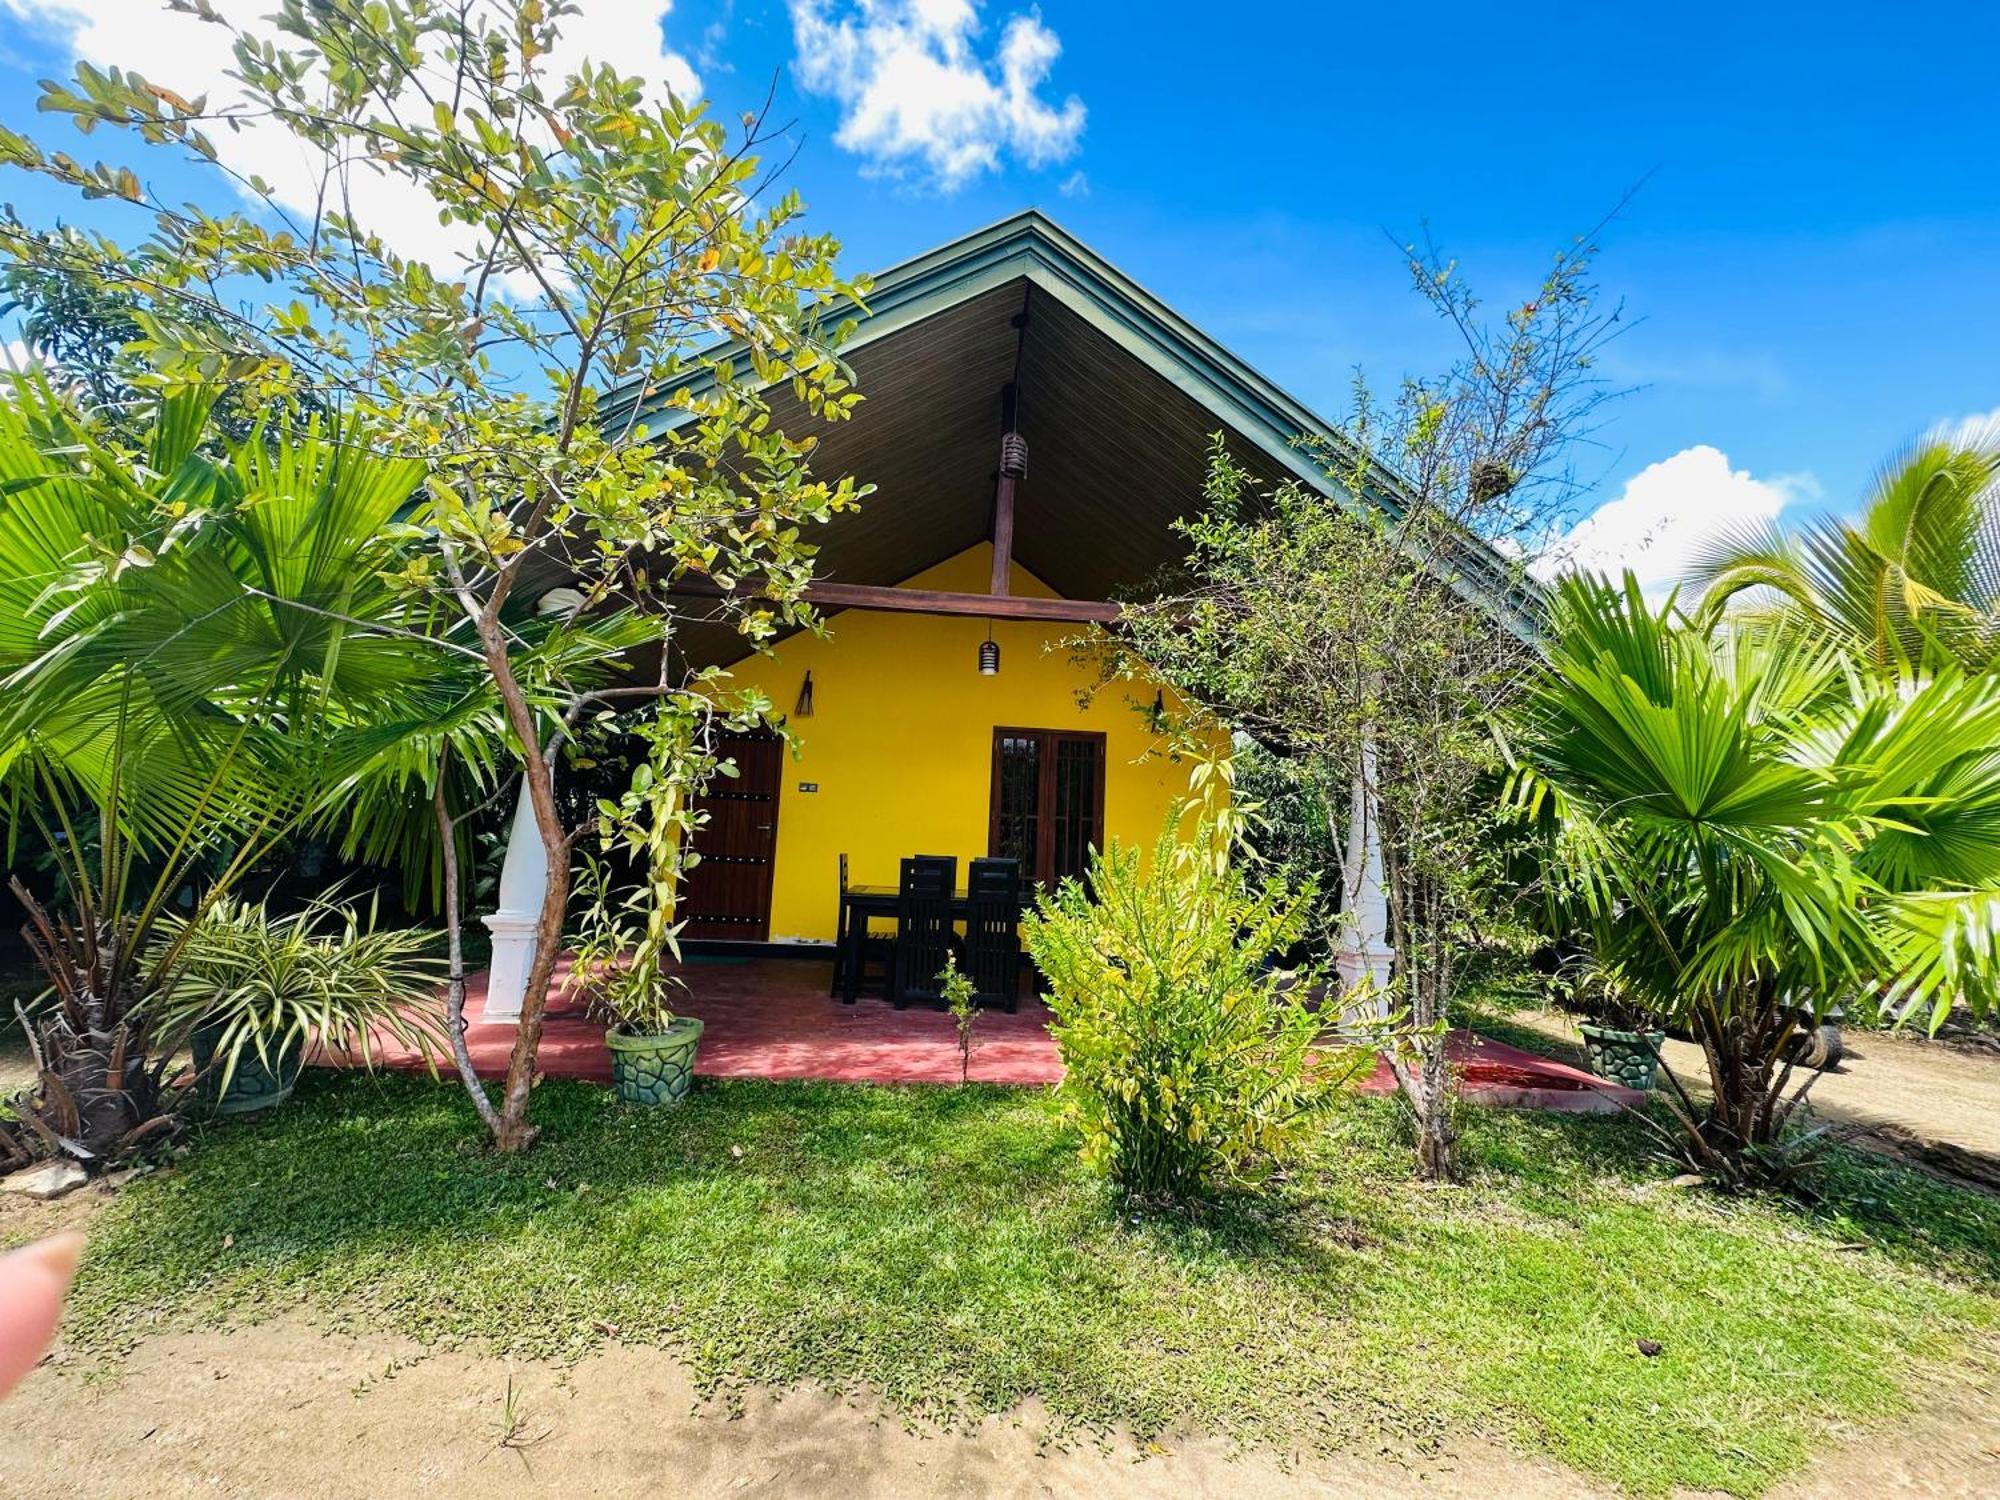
pixel 1013 464
pixel 1003 536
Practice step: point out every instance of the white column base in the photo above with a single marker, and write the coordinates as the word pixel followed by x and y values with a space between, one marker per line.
pixel 1364 983
pixel 513 956
pixel 524 881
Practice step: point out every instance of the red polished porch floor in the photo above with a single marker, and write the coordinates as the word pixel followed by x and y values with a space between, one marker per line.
pixel 772 1018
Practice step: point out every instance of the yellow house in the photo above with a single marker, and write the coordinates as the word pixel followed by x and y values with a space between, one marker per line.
pixel 964 766
pixel 1034 424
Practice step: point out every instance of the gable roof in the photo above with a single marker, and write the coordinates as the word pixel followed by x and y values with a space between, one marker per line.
pixel 1118 397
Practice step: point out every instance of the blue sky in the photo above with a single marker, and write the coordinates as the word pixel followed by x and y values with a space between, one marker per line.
pixel 1811 261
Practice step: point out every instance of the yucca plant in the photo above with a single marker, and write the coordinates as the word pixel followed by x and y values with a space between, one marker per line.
pixel 252 990
pixel 1747 826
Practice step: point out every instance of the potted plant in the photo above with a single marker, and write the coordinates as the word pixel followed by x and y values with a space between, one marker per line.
pixel 1621 1035
pixel 620 944
pixel 252 989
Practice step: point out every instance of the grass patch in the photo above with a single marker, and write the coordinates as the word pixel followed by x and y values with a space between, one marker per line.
pixel 945 1247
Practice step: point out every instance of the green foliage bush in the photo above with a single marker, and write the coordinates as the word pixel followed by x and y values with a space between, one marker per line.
pixel 271 983
pixel 1188 1058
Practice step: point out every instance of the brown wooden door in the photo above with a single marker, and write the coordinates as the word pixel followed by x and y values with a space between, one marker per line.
pixel 1047 801
pixel 728 894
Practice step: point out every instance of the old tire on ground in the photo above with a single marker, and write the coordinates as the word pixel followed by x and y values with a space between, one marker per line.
pixel 1821 1048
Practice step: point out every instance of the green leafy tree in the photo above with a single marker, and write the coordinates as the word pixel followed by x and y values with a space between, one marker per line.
pixel 77 324
pixel 84 331
pixel 610 241
pixel 1748 829
pixel 1915 580
pixel 1378 635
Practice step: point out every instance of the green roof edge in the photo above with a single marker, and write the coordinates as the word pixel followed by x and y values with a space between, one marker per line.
pixel 1030 244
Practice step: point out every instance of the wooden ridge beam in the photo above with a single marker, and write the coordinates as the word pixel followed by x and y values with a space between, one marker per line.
pixel 833 596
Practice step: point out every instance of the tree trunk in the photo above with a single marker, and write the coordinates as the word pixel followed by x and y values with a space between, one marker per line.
pixel 1745 1047
pixel 513 1132
pixel 454 1003
pixel 1437 1141
pixel 1423 981
pixel 99 1093
pixel 1427 1087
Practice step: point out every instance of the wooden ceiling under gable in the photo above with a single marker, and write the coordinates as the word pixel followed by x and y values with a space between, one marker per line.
pixel 1118 398
pixel 1115 452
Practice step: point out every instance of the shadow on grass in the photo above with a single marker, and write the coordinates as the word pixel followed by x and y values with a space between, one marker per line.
pixel 374 1163
pixel 384 1163
pixel 1920 1220
pixel 1860 1197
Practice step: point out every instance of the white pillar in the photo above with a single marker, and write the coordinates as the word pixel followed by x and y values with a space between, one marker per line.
pixel 524 881
pixel 1364 958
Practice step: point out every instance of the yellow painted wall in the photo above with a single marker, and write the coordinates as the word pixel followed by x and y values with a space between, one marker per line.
pixel 900 741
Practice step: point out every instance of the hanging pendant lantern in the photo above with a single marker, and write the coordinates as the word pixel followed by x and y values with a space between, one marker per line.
pixel 989 655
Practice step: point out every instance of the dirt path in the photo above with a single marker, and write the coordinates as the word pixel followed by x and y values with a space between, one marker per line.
pixel 1937 1104
pixel 283 1410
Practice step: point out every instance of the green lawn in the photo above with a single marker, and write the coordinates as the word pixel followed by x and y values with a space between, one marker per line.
pixel 945 1247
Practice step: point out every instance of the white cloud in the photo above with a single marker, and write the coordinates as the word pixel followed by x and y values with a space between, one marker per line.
pixel 915 90
pixel 1666 512
pixel 1980 427
pixel 192 57
pixel 1076 185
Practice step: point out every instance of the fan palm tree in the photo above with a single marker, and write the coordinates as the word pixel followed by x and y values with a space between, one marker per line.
pixel 1915 579
pixel 207 644
pixel 178 678
pixel 1747 827
pixel 204 645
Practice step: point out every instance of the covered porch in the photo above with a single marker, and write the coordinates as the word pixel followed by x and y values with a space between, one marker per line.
pixel 1035 424
pixel 773 1018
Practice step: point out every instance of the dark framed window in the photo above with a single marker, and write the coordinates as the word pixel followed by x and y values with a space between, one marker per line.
pixel 1047 801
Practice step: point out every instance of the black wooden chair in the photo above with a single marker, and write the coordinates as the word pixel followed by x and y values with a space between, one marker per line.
pixel 924 934
pixel 993 931
pixel 854 948
pixel 945 862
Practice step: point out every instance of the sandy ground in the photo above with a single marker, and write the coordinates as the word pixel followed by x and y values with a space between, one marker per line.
pixel 283 1410
pixel 1936 1104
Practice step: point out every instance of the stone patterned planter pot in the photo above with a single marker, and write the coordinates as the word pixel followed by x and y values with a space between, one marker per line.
pixel 654 1069
pixel 254 1085
pixel 1628 1057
